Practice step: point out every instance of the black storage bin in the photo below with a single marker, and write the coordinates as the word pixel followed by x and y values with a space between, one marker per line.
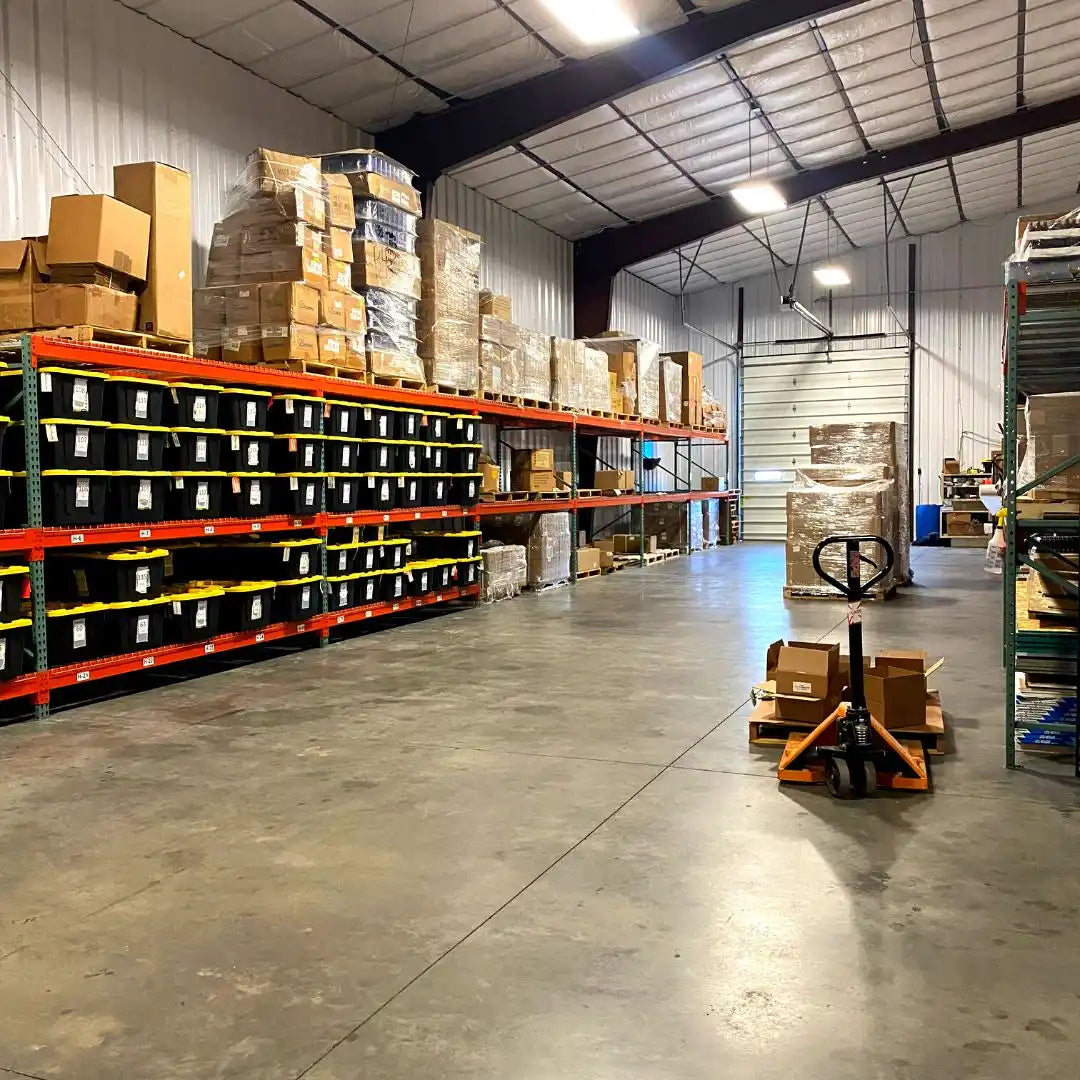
pixel 13 499
pixel 395 553
pixel 297 453
pixel 378 491
pixel 243 409
pixel 70 393
pixel 246 606
pixel 410 491
pixel 341 455
pixel 13 447
pixel 131 447
pixel 197 495
pixel 297 599
pixel 341 558
pixel 435 457
pixel 354 161
pixel 368 588
pixel 436 427
pixel 73 498
pixel 195 449
pixel 295 414
pixel 462 459
pixel 14 636
pixel 420 578
pixel 463 429
pixel 469 571
pixel 369 556
pixel 246 451
pixel 260 560
pixel 135 626
pixel 342 588
pixel 194 405
pixel 106 576
pixel 447 545
pixel 76 633
pixel 376 422
pixel 299 494
pixel 250 494
pixel 436 489
pixel 73 444
pixel 342 493
pixel 131 399
pixel 376 456
pixel 409 424
pixel 465 488
pixel 410 457
pixel 192 613
pixel 139 497
pixel 344 418
pixel 395 585
pixel 13 589
pixel 11 388
pixel 5 434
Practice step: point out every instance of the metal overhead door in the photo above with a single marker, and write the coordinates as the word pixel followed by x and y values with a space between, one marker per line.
pixel 784 396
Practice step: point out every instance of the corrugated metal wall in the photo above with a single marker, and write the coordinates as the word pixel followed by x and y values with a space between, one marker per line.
pixel 109 86
pixel 532 266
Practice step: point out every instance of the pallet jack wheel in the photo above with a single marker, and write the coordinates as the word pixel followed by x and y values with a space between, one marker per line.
pixel 869 777
pixel 838 778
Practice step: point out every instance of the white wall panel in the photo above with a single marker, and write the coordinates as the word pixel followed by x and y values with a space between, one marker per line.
pixel 101 84
pixel 531 265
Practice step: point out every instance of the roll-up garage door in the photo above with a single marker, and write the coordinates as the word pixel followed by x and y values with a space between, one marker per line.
pixel 784 396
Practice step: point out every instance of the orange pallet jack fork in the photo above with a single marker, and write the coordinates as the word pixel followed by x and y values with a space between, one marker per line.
pixel 852 753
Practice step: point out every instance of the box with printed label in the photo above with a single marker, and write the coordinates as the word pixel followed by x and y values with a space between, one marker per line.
pixel 807 678
pixel 337 244
pixel 289 341
pixel 331 345
pixel 340 212
pixel 288 302
pixel 242 306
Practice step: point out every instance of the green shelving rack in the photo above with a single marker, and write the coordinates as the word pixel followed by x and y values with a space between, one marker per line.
pixel 1042 356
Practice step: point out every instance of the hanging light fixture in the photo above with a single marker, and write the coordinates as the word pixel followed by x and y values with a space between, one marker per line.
pixel 757 197
pixel 831 275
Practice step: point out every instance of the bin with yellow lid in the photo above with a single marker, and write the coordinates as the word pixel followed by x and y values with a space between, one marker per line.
pixel 192 449
pixel 134 399
pixel 343 418
pixel 14 638
pixel 249 494
pixel 342 493
pixel 75 632
pixel 297 599
pixel 295 414
pixel 246 451
pixel 193 405
pixel 469 571
pixel 136 446
pixel 192 612
pixel 299 493
pixel 135 625
pixel 247 605
pixel 75 393
pixel 244 409
pixel 104 576
pixel 396 552
pixel 297 453
pixel 70 497
pixel 461 544
pixel 14 589
pixel 137 497
pixel 463 458
pixel 434 489
pixel 73 444
pixel 197 495
pixel 465 488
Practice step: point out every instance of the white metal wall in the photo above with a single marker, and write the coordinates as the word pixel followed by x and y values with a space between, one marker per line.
pixel 533 266
pixel 784 396
pixel 101 84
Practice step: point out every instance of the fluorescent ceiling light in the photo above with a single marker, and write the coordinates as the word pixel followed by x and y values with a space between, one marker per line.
pixel 768 475
pixel 594 22
pixel 832 276
pixel 759 198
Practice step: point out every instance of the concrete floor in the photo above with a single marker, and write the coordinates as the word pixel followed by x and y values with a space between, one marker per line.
pixel 338 865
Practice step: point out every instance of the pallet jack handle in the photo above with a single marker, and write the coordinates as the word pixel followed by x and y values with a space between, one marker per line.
pixel 854 590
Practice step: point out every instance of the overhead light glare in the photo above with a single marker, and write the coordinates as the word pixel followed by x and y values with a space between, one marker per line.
pixel 593 22
pixel 832 276
pixel 759 198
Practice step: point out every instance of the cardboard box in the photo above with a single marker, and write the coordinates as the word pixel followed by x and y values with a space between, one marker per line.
pixel 242 306
pixel 288 302
pixel 209 306
pixel 384 267
pixel 630 544
pixel 89 305
pixel 564 480
pixel 286 264
pixel 165 194
pixel 534 480
pixel 807 678
pixel 95 229
pixel 339 275
pixel 22 265
pixel 376 186
pixel 332 309
pixel 355 356
pixel 331 345
pixel 281 168
pixel 337 244
pixel 615 479
pixel 538 459
pixel 711 483
pixel 607 557
pixel 950 466
pixel 290 341
pixel 607 545
pixel 340 211
pixel 895 693
pixel 489 477
pixel 587 559
pixel 692 382
pixel 496 304
pixel 242 345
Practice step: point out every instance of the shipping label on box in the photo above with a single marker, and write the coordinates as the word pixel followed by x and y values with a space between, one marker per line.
pixel 242 306
pixel 288 302
pixel 331 345
pixel 290 341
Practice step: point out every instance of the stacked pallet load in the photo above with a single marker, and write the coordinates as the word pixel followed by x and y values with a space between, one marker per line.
pixel 279 285
pixel 691 372
pixel 636 364
pixel 579 376
pixel 386 268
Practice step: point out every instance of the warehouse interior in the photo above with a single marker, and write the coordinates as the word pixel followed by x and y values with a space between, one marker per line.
pixel 550 547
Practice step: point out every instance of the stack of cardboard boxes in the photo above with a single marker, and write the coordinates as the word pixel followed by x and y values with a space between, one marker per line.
pixel 692 372
pixel 534 471
pixel 497 304
pixel 636 363
pixel 500 356
pixel 120 263
pixel 279 285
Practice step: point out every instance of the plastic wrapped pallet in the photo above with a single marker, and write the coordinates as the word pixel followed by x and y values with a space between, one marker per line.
pixel 868 443
pixel 568 373
pixel 646 364
pixel 595 386
pixel 500 356
pixel 710 521
pixel 549 550
pixel 506 571
pixel 391 340
pixel 671 380
pixel 535 371
pixel 449 313
pixel 1053 436
pixel 697 525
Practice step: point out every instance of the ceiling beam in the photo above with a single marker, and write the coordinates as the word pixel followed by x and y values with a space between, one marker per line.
pixel 610 251
pixel 438 142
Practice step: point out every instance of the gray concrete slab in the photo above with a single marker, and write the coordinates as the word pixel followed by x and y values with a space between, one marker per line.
pixel 529 841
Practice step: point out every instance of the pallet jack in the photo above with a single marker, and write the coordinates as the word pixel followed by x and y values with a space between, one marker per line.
pixel 850 751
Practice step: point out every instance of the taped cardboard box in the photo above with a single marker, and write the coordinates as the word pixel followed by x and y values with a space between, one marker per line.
pixel 692 369
pixel 165 194
pixel 242 345
pixel 98 230
pixel 1053 436
pixel 615 479
pixel 668 522
pixel 22 265
pixel 375 186
pixel 384 267
pixel 489 477
pixel 806 678
pixel 331 345
pixel 539 458
pixel 535 370
pixel 89 305
pixel 290 341
pixel 284 302
pixel 500 369
pixel 340 212
pixel 355 356
pixel 670 392
pixel 647 361
pixel 595 389
pixel 895 688
pixel 588 559
pixel 568 373
pixel 332 309
pixel 496 304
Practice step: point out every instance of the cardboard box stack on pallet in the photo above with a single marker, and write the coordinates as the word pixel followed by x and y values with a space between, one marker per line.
pixel 121 264
pixel 692 375
pixel 857 483
pixel 534 471
pixel 546 540
pixel 279 286
pixel 579 376
pixel 636 364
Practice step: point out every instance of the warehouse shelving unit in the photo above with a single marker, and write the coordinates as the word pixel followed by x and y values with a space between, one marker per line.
pixel 35 539
pixel 1042 356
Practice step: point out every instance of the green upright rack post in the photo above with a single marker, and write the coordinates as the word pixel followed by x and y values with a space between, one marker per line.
pixel 573 496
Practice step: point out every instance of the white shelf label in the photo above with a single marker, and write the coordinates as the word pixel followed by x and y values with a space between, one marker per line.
pixel 340 619
pixel 416 516
pixel 208 530
pixel 145 534
pixel 148 661
pixel 256 526
pixel 260 637
pixel 395 607
pixel 77 538
pixel 82 676
pixel 367 614
pixel 208 647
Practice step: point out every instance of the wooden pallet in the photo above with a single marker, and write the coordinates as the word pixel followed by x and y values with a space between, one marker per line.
pixel 596 572
pixel 504 496
pixel 396 383
pixel 549 496
pixel 451 391
pixel 505 399
pixel 535 403
pixel 968 541
pixel 649 558
pixel 611 493
pixel 826 592
pixel 306 367
pixel 589 493
pixel 611 569
pixel 87 335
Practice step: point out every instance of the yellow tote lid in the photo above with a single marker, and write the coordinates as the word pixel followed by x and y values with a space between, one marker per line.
pixel 245 390
pixel 197 430
pixel 122 605
pixel 195 592
pixel 124 555
pixel 78 423
pixel 60 610
pixel 343 577
pixel 249 434
pixel 298 397
pixel 76 472
pixel 466 532
pixel 462 445
pixel 303 475
pixel 14 624
pixel 248 586
pixel 130 427
pixel 79 372
pixel 7 571
pixel 302 580
pixel 298 435
pixel 139 472
pixel 196 386
pixel 138 379
pixel 253 475
pixel 196 474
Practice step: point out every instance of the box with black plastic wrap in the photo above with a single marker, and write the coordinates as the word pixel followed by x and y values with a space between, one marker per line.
pixel 386 224
pixel 568 373
pixel 505 571
pixel 825 502
pixel 646 356
pixel 449 314
pixel 391 336
pixel 870 443
pixel 500 356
